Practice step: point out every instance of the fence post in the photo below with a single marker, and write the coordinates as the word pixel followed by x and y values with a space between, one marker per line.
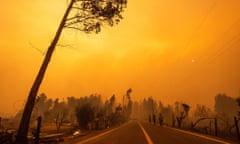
pixel 0 122
pixel 216 128
pixel 210 127
pixel 39 120
pixel 237 128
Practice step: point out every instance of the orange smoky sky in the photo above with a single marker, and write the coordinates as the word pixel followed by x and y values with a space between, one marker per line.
pixel 172 50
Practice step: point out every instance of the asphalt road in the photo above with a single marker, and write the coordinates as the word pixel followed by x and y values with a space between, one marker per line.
pixel 165 135
pixel 135 132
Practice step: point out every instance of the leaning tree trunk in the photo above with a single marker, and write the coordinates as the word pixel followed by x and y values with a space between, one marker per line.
pixel 21 137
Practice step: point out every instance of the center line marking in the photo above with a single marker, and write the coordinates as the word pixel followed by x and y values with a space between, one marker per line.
pixel 145 134
pixel 101 134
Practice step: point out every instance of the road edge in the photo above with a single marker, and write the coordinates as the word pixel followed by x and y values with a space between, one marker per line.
pixel 199 135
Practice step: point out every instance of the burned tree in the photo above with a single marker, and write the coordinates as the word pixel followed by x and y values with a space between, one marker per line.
pixel 84 15
pixel 128 108
pixel 59 112
pixel 85 115
pixel 181 112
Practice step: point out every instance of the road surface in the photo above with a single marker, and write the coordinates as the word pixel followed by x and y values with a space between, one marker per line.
pixel 135 132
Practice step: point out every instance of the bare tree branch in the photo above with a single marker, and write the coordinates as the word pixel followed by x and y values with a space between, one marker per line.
pixel 90 15
pixel 39 50
pixel 74 28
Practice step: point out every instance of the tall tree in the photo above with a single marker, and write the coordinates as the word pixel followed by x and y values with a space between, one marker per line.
pixel 84 15
pixel 149 106
pixel 84 114
pixel 226 108
pixel 181 112
pixel 110 104
pixel 59 112
pixel 202 111
pixel 42 105
pixel 129 103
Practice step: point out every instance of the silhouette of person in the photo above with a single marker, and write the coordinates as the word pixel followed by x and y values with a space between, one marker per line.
pixel 154 119
pixel 160 119
pixel 149 119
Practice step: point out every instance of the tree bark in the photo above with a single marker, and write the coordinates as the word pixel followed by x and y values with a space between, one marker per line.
pixel 37 138
pixel 21 137
pixel 237 128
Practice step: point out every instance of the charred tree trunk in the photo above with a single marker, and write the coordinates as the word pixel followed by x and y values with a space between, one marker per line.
pixel 21 137
pixel 39 121
pixel 237 128
pixel 216 127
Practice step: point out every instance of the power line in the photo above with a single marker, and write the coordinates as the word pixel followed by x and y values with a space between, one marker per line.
pixel 220 39
pixel 209 11
pixel 192 37
pixel 227 45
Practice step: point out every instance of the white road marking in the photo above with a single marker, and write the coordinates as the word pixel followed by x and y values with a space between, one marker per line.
pixel 199 135
pixel 100 135
pixel 146 134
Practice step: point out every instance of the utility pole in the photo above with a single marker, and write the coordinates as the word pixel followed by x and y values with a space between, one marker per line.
pixel 89 16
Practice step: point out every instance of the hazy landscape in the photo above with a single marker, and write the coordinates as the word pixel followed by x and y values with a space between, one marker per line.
pixel 94 71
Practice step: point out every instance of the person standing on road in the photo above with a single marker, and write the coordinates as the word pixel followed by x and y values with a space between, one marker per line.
pixel 149 119
pixel 160 118
pixel 154 119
